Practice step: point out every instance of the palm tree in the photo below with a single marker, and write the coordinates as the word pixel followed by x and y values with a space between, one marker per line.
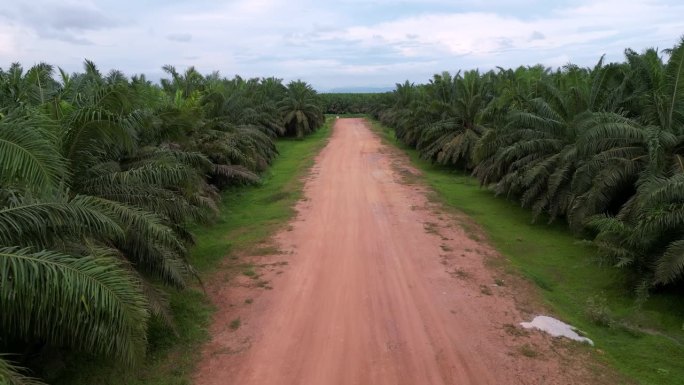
pixel 458 104
pixel 300 110
pixel 188 83
pixel 536 157
pixel 408 113
pixel 216 126
pixel 647 230
pixel 101 177
pixel 32 88
pixel 88 216
pixel 49 288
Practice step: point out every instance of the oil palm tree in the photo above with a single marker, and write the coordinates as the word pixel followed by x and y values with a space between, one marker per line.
pixel 82 296
pixel 457 104
pixel 536 157
pixel 408 114
pixel 101 176
pixel 648 231
pixel 88 216
pixel 300 110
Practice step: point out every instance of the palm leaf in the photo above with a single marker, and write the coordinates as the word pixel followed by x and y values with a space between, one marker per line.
pixel 671 264
pixel 90 303
pixel 11 374
pixel 41 222
pixel 28 152
pixel 674 72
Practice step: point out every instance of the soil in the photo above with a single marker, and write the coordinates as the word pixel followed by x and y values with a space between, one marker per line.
pixel 374 284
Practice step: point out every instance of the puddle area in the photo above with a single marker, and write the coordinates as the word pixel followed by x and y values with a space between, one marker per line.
pixel 555 328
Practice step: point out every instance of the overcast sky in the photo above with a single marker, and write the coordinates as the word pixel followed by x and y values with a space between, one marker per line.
pixel 343 43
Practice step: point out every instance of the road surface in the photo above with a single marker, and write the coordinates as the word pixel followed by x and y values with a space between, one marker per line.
pixel 375 286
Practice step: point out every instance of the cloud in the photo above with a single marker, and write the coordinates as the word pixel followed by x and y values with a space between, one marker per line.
pixel 68 21
pixel 486 33
pixel 7 40
pixel 68 37
pixel 578 33
pixel 181 37
pixel 557 61
pixel 65 16
pixel 536 35
pixel 331 44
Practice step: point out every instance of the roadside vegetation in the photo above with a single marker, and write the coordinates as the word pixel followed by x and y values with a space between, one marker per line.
pixel 105 179
pixel 102 179
pixel 248 215
pixel 587 164
pixel 601 149
pixel 340 103
pixel 642 339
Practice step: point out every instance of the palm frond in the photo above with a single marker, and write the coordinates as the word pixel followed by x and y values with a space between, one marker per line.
pixel 41 222
pixel 87 302
pixel 671 264
pixel 10 374
pixel 28 152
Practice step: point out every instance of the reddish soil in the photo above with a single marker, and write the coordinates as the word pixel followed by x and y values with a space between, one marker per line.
pixel 372 284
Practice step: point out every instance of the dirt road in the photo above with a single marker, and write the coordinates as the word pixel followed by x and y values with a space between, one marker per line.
pixel 373 286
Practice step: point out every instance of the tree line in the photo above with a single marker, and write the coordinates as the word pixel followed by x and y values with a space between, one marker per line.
pixel 350 103
pixel 601 148
pixel 101 176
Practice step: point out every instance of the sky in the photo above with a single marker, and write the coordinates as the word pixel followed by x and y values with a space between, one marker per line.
pixel 331 44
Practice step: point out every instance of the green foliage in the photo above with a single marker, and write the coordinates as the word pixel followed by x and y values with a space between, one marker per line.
pixel 300 109
pixel 247 216
pixel 102 177
pixel 351 103
pixel 90 302
pixel 27 153
pixel 601 147
pixel 643 339
pixel 11 374
pixel 455 117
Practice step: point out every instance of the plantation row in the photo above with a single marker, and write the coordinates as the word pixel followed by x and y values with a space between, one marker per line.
pixel 336 103
pixel 602 148
pixel 100 177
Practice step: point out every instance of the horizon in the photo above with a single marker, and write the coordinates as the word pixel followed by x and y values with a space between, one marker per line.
pixel 344 45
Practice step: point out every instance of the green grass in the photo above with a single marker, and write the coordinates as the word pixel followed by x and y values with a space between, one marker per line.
pixel 248 216
pixel 528 351
pixel 568 274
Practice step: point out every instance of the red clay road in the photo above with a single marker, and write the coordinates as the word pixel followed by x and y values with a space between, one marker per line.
pixel 379 288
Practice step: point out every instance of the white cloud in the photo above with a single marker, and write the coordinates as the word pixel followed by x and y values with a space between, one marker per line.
pixel 483 34
pixel 332 43
pixel 7 45
pixel 181 37
pixel 556 61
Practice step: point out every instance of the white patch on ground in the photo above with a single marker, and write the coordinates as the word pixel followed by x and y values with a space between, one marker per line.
pixel 556 328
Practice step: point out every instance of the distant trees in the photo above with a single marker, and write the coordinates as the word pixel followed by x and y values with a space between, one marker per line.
pixel 350 103
pixel 101 176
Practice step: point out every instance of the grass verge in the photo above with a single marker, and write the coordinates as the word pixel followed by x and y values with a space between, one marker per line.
pixel 248 216
pixel 251 214
pixel 644 342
